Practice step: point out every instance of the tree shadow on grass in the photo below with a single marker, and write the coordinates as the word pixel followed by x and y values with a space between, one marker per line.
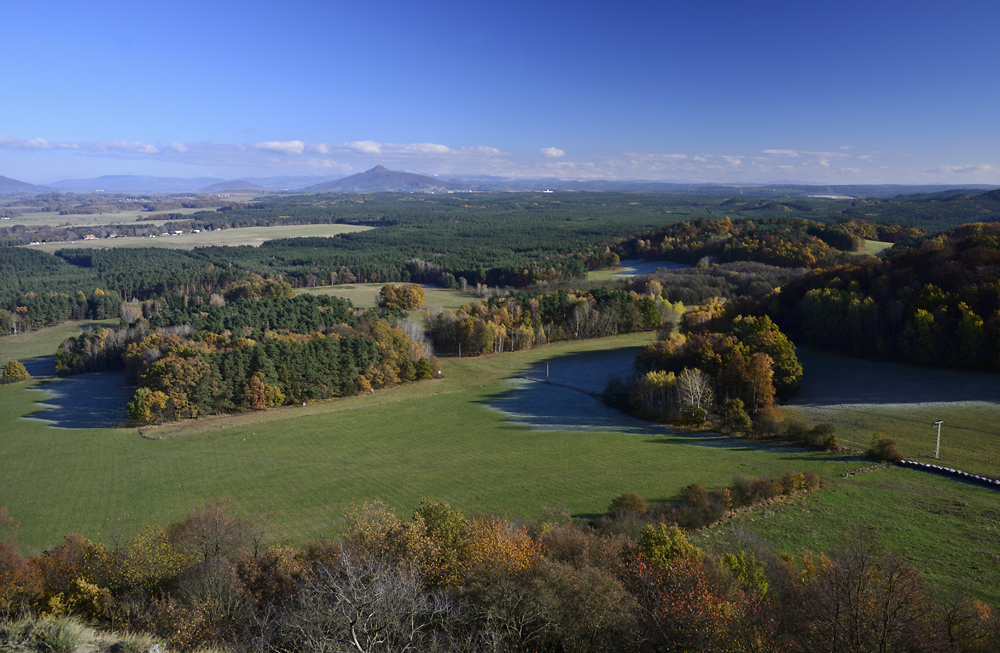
pixel 587 371
pixel 547 407
pixel 831 379
pixel 41 366
pixel 87 401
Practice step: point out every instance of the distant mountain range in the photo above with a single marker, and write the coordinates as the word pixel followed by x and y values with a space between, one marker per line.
pixel 144 184
pixel 381 180
pixel 231 186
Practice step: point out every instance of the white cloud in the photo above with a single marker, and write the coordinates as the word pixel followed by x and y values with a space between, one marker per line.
pixel 552 152
pixel 284 147
pixel 362 147
pixel 179 147
pixel 792 153
pixel 963 170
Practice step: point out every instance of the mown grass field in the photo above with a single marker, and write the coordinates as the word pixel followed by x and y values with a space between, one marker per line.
pixel 441 439
pixel 53 218
pixel 970 436
pixel 862 397
pixel 947 531
pixel 253 236
pixel 873 247
pixel 365 295
pixel 43 342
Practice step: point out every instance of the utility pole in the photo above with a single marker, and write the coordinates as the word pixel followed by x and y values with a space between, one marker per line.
pixel 937 447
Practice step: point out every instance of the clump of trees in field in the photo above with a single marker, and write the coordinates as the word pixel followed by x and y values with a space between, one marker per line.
pixel 438 580
pixel 738 365
pixel 259 349
pixel 525 320
pixel 403 298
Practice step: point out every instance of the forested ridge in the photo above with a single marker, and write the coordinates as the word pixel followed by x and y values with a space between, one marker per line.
pixel 935 303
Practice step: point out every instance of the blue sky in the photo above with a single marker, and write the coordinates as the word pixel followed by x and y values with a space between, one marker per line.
pixel 834 92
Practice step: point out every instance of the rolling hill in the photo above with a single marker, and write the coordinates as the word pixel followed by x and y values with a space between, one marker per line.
pixel 8 185
pixel 381 180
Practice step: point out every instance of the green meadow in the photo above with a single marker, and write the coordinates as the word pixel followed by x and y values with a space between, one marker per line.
pixel 252 236
pixel 365 295
pixel 54 218
pixel 43 342
pixel 441 438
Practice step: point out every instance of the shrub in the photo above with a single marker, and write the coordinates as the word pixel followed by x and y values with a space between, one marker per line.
pixel 822 437
pixel 628 503
pixel 769 424
pixel 693 416
pixel 14 372
pixel 742 488
pixel 734 418
pixel 811 481
pixel 695 496
pixel 883 449
pixel 796 430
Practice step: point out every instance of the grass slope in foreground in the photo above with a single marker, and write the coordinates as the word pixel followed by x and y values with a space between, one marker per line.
pixel 435 438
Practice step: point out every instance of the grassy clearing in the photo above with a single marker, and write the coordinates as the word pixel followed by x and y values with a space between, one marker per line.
pixel 68 635
pixel 861 397
pixel 946 530
pixel 441 439
pixel 53 218
pixel 873 247
pixel 253 236
pixel 44 342
pixel 436 438
pixel 365 295
pixel 603 275
pixel 970 440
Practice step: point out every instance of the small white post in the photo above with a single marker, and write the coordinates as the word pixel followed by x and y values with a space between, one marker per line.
pixel 937 447
pixel 546 371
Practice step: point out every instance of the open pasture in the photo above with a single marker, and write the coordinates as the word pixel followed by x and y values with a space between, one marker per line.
pixel 944 529
pixel 861 397
pixel 53 218
pixel 873 247
pixel 43 342
pixel 434 438
pixel 365 295
pixel 252 236
pixel 457 439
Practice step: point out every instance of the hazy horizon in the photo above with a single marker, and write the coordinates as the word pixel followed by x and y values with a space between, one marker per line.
pixel 727 92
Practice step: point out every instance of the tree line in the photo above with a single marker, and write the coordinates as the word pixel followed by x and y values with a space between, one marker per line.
pixel 935 303
pixel 525 320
